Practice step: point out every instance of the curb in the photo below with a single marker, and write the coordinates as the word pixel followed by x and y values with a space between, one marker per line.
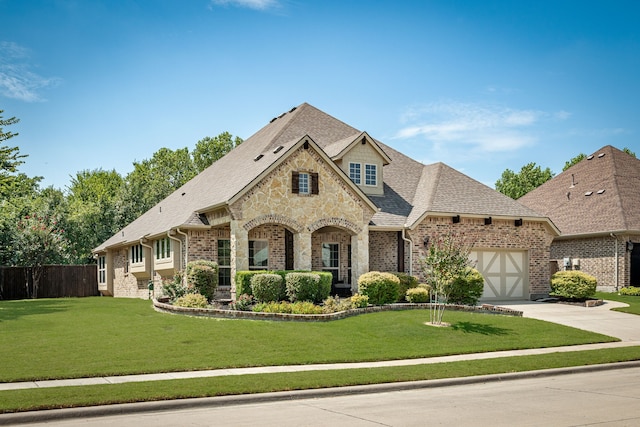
pixel 212 402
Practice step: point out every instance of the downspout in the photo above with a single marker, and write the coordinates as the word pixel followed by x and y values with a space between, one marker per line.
pixel 406 239
pixel 616 268
pixel 186 246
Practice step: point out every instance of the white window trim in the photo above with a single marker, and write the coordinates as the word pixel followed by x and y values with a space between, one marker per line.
pixel 102 269
pixel 307 189
pixel 359 181
pixel 167 254
pixel 365 174
pixel 132 260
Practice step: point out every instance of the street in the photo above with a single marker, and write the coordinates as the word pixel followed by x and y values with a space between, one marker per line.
pixel 609 398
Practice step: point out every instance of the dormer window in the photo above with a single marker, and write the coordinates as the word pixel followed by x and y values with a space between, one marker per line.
pixel 355 173
pixel 370 175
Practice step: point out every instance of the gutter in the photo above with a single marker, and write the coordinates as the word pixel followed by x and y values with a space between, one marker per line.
pixel 177 240
pixel 186 249
pixel 151 254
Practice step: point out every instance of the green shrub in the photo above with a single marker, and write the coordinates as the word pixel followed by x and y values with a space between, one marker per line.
pixel 242 303
pixel 173 288
pixel 299 307
pixel 381 288
pixel 359 301
pixel 466 289
pixel 307 287
pixel 202 276
pixel 192 300
pixel 407 281
pixel 267 287
pixel 573 285
pixel 631 291
pixel 418 294
pixel 243 281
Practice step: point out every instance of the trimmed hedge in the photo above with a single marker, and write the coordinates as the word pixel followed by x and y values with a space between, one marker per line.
pixel 573 285
pixel 633 291
pixel 267 287
pixel 202 275
pixel 466 289
pixel 192 300
pixel 407 282
pixel 243 279
pixel 307 286
pixel 417 295
pixel 381 288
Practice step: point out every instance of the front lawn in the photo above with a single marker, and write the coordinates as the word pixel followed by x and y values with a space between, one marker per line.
pixel 71 338
pixel 633 301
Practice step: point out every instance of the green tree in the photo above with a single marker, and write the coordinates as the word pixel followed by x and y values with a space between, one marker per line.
pixel 92 211
pixel 516 185
pixel 575 160
pixel 151 181
pixel 447 259
pixel 209 150
pixel 12 183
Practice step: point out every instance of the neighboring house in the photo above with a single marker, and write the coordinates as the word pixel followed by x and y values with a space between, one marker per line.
pixel 309 192
pixel 596 205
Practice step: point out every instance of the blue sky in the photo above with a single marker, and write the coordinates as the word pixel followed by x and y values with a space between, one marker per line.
pixel 479 85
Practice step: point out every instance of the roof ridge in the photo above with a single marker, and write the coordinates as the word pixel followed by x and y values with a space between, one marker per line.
pixel 290 113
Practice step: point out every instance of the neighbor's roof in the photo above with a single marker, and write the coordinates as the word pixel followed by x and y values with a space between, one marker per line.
pixel 600 194
pixel 411 189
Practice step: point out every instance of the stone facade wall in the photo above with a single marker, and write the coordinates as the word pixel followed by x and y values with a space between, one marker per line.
pixel 533 237
pixel 597 257
pixel 125 284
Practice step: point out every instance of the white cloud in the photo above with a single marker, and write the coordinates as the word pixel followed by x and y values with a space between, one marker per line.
pixel 483 128
pixel 250 4
pixel 16 78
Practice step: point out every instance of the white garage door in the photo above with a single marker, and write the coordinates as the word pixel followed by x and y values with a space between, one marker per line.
pixel 505 274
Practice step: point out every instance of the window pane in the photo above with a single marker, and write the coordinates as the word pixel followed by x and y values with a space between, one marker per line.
pixel 258 254
pixel 224 276
pixel 303 183
pixel 224 252
pixel 370 175
pixel 330 255
pixel 354 172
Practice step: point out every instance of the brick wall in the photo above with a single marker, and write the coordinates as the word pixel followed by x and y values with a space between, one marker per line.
pixel 597 257
pixel 534 237
pixel 383 251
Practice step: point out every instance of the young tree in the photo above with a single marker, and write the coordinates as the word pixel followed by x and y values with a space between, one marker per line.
pixel 575 160
pixel 447 259
pixel 516 185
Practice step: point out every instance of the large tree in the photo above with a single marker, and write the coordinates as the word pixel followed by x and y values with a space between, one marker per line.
pixel 209 150
pixel 92 210
pixel 12 183
pixel 516 185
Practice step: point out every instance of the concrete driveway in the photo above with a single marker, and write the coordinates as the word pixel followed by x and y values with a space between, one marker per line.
pixel 596 319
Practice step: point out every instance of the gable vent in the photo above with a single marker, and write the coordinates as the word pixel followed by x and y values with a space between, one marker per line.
pixel 277 149
pixel 588 193
pixel 258 157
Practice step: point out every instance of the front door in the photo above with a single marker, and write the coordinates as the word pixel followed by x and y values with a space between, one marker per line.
pixel 635 265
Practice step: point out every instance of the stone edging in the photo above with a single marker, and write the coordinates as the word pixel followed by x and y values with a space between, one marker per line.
pixel 233 314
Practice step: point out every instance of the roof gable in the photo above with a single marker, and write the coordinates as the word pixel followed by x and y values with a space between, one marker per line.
pixel 339 149
pixel 600 194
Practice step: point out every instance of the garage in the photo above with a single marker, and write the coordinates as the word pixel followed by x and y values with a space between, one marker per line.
pixel 505 274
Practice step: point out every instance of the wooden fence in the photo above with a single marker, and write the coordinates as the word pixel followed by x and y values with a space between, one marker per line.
pixel 57 281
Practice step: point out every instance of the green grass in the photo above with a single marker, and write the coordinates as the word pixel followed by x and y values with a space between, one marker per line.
pixel 72 338
pixel 633 301
pixel 61 397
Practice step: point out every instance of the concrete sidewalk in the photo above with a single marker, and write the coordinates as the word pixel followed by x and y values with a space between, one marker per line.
pixel 597 319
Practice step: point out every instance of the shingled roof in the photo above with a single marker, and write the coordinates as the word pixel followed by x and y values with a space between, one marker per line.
pixel 600 194
pixel 411 189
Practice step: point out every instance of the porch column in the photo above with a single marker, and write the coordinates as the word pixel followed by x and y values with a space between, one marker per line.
pixel 239 252
pixel 359 256
pixel 302 251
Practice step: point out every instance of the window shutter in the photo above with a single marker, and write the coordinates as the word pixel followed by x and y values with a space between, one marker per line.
pixel 314 183
pixel 295 179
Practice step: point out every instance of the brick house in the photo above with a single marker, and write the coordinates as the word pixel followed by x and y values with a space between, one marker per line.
pixel 596 205
pixel 310 192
